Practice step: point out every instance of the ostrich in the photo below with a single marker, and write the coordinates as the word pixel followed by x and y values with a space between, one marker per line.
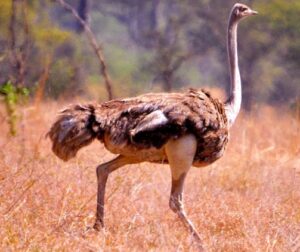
pixel 180 129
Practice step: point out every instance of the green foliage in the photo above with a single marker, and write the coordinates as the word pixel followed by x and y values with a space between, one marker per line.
pixel 13 96
pixel 283 18
pixel 5 8
pixel 61 77
pixel 142 41
pixel 49 38
pixel 282 14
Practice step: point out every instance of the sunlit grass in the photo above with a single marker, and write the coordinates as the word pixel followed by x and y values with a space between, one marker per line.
pixel 247 201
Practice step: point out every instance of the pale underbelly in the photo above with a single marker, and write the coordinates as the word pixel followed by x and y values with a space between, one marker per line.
pixel 152 154
pixel 135 153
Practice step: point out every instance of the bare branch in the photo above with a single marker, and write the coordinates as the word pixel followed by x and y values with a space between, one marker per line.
pixel 93 42
pixel 42 81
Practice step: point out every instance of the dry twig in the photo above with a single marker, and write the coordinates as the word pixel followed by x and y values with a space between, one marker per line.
pixel 93 42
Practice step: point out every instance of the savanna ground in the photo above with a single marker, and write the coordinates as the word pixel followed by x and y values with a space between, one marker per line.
pixel 247 201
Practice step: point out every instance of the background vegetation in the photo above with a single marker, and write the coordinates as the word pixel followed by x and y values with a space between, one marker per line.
pixel 247 201
pixel 149 45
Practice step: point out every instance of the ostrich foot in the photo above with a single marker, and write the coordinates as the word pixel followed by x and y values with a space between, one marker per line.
pixel 98 225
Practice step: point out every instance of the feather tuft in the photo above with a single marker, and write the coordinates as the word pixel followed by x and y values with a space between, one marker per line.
pixel 72 130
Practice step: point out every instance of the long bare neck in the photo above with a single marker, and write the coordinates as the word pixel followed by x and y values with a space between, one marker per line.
pixel 233 105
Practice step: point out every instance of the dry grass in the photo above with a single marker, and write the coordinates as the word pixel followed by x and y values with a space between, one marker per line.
pixel 247 201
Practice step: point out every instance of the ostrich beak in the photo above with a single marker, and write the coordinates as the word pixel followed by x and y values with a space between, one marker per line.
pixel 253 12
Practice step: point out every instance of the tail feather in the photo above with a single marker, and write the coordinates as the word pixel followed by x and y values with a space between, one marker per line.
pixel 72 130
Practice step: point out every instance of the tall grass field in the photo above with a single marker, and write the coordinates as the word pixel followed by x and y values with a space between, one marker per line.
pixel 249 200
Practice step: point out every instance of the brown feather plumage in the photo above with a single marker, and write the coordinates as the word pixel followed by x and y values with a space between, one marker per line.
pixel 72 131
pixel 128 123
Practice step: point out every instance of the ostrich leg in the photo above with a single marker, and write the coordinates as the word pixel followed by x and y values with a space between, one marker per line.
pixel 103 171
pixel 180 153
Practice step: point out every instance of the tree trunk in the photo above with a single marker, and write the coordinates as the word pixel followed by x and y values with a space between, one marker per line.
pixel 83 12
pixel 167 78
pixel 18 52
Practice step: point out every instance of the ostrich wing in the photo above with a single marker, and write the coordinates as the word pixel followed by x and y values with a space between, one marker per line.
pixel 150 122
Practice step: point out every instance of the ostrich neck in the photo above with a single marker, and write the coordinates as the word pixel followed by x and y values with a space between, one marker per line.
pixel 233 105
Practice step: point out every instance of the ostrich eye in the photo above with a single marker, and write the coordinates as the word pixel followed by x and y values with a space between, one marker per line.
pixel 242 9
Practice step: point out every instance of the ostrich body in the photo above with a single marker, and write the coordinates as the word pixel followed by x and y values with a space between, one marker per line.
pixel 179 129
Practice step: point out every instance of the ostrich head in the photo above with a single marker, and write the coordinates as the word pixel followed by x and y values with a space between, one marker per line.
pixel 240 11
